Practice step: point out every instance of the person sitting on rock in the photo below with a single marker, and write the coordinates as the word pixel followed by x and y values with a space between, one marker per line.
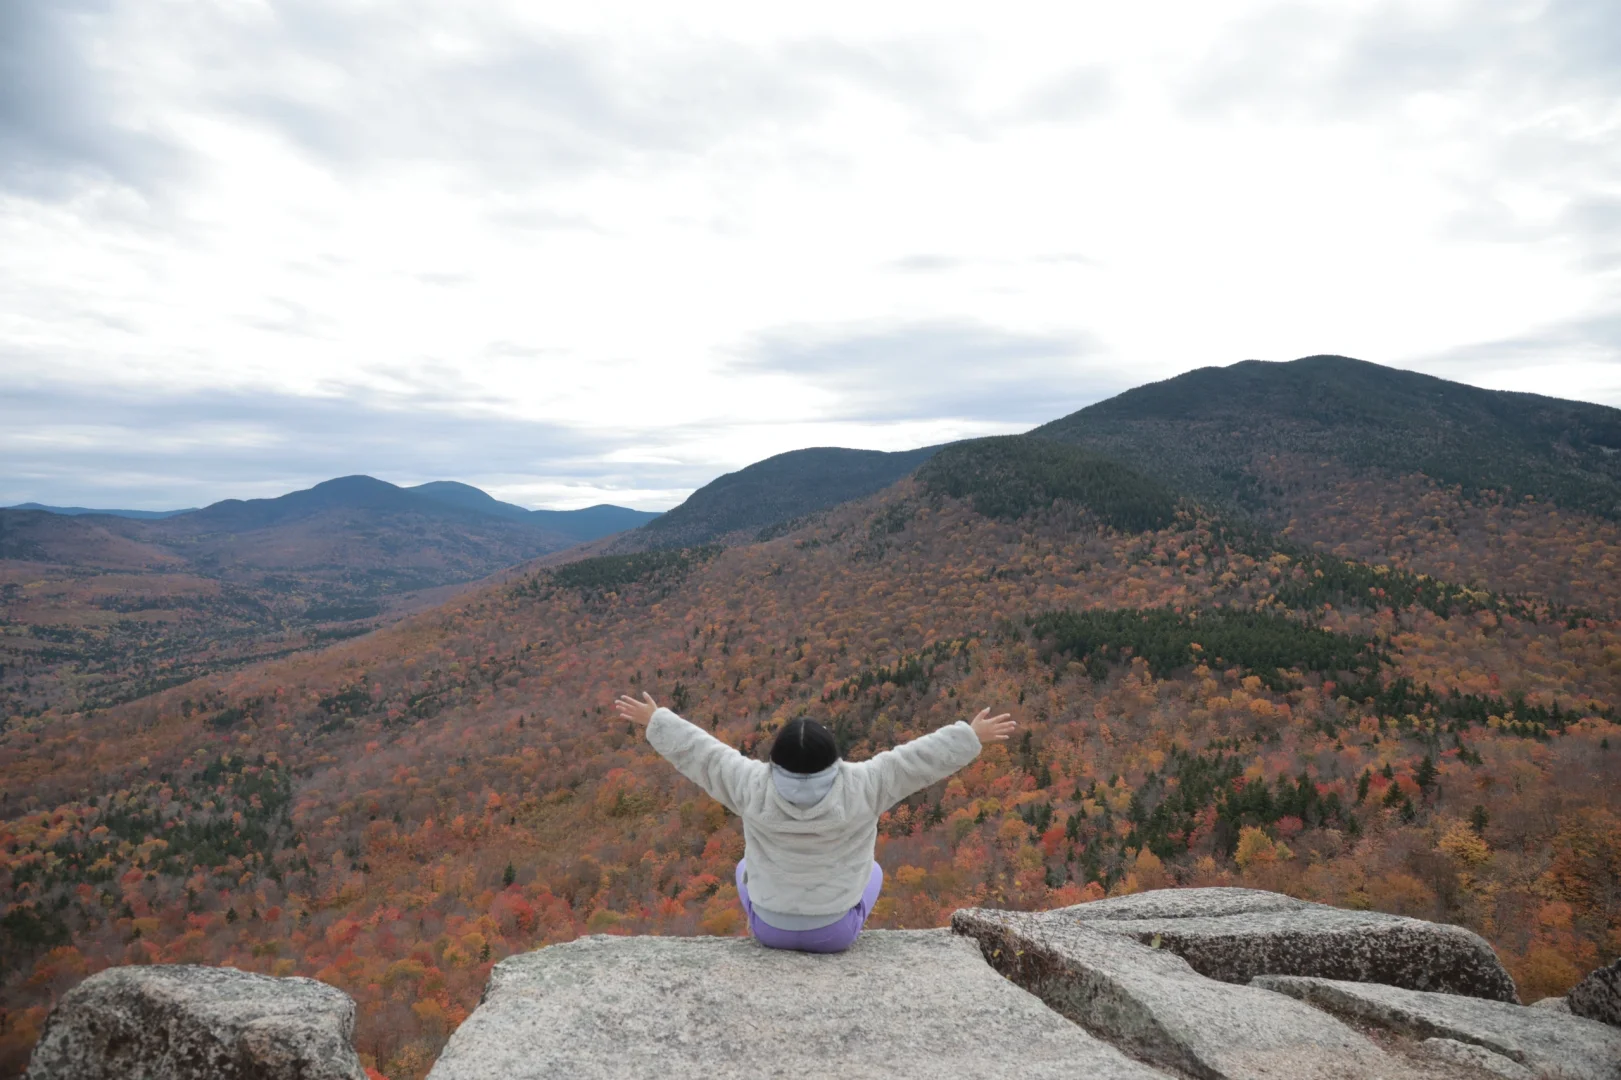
pixel 807 879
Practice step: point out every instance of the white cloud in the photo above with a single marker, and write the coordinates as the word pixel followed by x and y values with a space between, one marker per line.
pixel 949 369
pixel 666 242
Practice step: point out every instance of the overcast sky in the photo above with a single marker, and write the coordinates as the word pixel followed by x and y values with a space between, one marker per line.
pixel 590 252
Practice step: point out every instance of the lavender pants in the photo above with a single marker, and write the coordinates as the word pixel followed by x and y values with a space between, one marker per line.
pixel 835 937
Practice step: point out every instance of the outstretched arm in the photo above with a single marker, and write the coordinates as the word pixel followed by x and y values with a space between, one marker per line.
pixel 717 768
pixel 915 765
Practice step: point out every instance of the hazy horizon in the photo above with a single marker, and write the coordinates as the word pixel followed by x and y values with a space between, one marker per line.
pixel 413 483
pixel 40 503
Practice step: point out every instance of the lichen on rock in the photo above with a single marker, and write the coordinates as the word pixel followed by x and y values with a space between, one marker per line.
pixel 1598 997
pixel 175 1022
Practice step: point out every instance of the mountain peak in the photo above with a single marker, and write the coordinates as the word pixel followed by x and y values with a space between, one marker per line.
pixel 453 487
pixel 354 482
pixel 358 487
pixel 467 497
pixel 1207 429
pixel 778 489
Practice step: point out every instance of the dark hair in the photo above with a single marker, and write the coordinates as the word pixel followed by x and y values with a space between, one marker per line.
pixel 804 746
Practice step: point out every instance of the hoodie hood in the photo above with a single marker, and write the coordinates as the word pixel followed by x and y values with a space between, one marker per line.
pixel 803 790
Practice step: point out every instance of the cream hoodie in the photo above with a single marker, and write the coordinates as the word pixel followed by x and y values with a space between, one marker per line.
pixel 810 860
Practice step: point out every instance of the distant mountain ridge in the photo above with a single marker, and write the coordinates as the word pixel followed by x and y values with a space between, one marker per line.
pixel 351 536
pixel 360 491
pixel 81 511
pixel 586 523
pixel 343 492
pixel 1202 432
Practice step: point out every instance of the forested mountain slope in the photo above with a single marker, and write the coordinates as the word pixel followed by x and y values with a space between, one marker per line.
pixel 1200 702
pixel 38 536
pixel 1380 463
pixel 772 493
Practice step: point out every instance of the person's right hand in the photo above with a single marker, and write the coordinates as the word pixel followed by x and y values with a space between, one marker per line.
pixel 992 728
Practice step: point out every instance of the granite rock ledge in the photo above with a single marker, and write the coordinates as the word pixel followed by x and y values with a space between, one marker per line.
pixel 1218 984
pixel 898 1003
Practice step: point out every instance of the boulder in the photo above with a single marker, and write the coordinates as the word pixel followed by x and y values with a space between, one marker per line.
pixel 1557 1004
pixel 1547 1042
pixel 1598 997
pixel 1236 934
pixel 197 1023
pixel 898 1003
pixel 1152 1004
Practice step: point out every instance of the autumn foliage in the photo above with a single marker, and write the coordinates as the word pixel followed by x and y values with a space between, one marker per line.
pixel 1199 704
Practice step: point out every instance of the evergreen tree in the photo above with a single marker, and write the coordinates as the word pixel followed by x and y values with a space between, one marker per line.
pixel 1425 776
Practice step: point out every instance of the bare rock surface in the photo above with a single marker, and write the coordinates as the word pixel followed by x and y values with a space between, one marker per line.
pixel 1236 934
pixel 1598 997
pixel 179 1022
pixel 1557 1004
pixel 1548 1043
pixel 1210 903
pixel 1152 1004
pixel 1478 1057
pixel 898 1003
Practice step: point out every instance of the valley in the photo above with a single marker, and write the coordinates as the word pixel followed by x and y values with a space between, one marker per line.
pixel 96 609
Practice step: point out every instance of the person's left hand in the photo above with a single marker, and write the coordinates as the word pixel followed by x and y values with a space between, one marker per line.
pixel 637 712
